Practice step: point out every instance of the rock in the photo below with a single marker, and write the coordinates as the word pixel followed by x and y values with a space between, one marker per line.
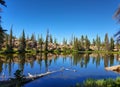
pixel 113 68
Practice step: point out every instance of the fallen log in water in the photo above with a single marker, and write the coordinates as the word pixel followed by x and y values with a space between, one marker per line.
pixel 27 79
pixel 113 68
pixel 12 82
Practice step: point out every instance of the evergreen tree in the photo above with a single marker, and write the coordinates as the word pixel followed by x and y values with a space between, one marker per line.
pixel 51 39
pixel 64 41
pixel 106 42
pixel 11 40
pixel 98 42
pixel 117 45
pixel 77 44
pixel 1 37
pixel 27 37
pixel 2 31
pixel 71 40
pixel 111 43
pixel 6 46
pixel 34 42
pixel 46 41
pixel 87 43
pixel 22 42
pixel 55 41
pixel 27 43
pixel 33 37
pixel 82 41
pixel 41 42
pixel 94 42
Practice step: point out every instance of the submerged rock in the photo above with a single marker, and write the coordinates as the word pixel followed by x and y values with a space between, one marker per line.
pixel 113 68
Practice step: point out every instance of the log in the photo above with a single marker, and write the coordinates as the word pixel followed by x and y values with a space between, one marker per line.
pixel 27 79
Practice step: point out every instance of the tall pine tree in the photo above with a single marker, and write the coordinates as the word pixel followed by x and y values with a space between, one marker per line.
pixel 111 43
pixel 51 39
pixel 22 42
pixel 98 42
pixel 46 41
pixel 40 41
pixel 11 40
pixel 87 43
pixel 106 42
pixel 2 31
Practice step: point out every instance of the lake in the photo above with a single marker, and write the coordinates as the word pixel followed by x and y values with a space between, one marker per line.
pixel 76 67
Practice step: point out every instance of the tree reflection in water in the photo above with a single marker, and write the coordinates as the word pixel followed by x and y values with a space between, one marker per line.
pixel 8 61
pixel 84 59
pixel 21 57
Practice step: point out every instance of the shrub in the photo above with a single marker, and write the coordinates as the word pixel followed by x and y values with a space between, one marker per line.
pixel 100 83
pixel 89 83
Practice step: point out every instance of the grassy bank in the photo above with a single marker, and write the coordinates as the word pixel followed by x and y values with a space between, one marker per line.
pixel 100 83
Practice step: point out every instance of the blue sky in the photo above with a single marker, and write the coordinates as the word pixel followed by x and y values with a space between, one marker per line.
pixel 62 17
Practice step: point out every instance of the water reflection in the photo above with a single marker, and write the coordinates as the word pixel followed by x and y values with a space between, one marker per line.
pixel 42 62
pixel 84 59
pixel 21 63
pixel 9 62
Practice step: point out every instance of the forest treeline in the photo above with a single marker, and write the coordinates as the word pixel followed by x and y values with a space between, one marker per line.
pixel 23 44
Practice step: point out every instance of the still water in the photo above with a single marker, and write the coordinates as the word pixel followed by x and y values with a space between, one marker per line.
pixel 78 67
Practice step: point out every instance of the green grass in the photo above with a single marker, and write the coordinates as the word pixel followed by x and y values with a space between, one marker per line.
pixel 100 83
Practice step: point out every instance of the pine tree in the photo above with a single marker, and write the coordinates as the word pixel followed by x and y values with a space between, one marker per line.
pixel 51 39
pixel 106 42
pixel 94 42
pixel 111 43
pixel 64 41
pixel 41 42
pixel 117 45
pixel 77 44
pixel 46 41
pixel 33 37
pixel 71 40
pixel 34 42
pixel 1 37
pixel 11 40
pixel 87 43
pixel 6 41
pixel 55 41
pixel 22 42
pixel 98 42
pixel 82 41
pixel 2 31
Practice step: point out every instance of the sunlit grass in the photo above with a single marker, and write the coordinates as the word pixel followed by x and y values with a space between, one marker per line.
pixel 100 83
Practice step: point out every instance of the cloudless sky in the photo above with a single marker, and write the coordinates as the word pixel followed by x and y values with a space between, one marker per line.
pixel 62 17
